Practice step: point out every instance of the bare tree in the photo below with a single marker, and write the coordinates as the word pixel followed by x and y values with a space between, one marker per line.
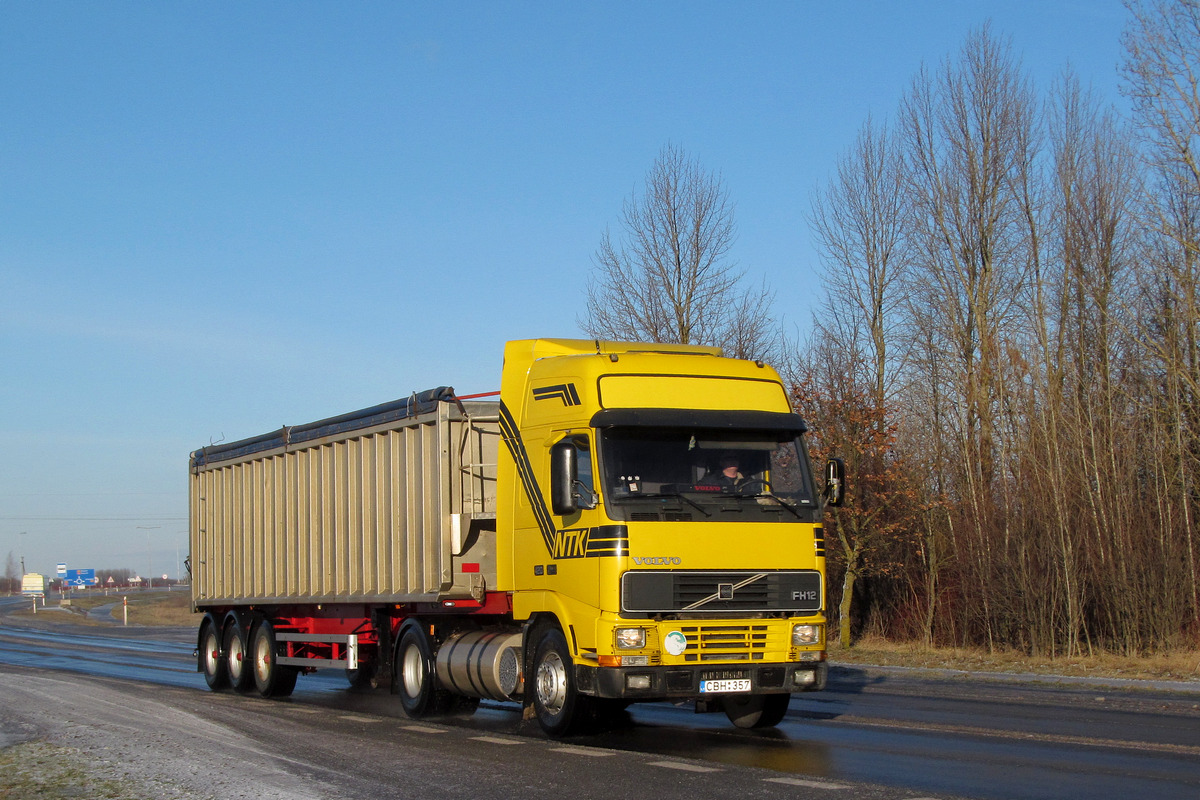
pixel 969 136
pixel 1162 75
pixel 859 222
pixel 670 277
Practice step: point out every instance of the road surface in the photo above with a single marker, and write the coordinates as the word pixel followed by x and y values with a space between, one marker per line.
pixel 131 696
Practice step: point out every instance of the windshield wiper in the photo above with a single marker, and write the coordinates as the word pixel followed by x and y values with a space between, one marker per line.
pixel 777 499
pixel 676 495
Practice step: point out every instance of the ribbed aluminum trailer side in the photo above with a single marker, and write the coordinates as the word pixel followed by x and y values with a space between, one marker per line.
pixel 393 505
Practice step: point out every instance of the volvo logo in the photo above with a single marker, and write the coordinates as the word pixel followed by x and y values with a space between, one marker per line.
pixel 657 561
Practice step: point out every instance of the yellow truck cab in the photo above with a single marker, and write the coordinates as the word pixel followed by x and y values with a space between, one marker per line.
pixel 665 530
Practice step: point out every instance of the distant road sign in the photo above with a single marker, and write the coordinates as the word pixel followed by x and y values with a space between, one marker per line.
pixel 81 577
pixel 62 569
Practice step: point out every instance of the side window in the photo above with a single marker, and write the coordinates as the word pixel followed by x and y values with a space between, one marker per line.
pixel 583 461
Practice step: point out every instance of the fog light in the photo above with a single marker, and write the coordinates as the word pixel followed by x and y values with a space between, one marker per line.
pixel 641 682
pixel 630 638
pixel 804 677
pixel 806 634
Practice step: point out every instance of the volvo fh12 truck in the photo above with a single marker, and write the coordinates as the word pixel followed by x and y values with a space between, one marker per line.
pixel 620 523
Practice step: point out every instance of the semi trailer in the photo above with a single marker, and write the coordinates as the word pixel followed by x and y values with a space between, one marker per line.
pixel 621 522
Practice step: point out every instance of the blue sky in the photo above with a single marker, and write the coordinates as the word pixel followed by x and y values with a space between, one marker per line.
pixel 218 218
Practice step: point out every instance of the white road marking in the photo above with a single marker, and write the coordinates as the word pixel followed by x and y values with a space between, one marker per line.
pixel 679 765
pixel 495 740
pixel 811 784
pixel 583 751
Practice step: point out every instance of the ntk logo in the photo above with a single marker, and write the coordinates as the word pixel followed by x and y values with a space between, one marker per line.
pixel 571 543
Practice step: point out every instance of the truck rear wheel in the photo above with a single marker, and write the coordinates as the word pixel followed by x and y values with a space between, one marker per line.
pixel 559 706
pixel 216 673
pixel 271 679
pixel 237 657
pixel 416 678
pixel 757 711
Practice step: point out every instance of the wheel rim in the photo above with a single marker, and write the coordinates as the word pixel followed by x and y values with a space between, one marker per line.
pixel 237 657
pixel 552 683
pixel 212 653
pixel 263 661
pixel 412 671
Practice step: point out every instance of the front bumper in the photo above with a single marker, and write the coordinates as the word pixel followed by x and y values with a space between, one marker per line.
pixel 678 681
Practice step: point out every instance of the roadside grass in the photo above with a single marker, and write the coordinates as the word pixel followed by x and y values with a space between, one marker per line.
pixel 1174 665
pixel 150 608
pixel 45 771
pixel 169 609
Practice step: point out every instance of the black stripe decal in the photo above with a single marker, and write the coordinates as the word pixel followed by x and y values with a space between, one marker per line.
pixel 563 391
pixel 516 448
pixel 608 540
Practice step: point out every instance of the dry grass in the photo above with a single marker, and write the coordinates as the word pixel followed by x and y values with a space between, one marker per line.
pixel 1178 665
pixel 172 609
pixel 152 608
pixel 48 772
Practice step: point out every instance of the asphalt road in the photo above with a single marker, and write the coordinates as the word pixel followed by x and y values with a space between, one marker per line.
pixel 131 696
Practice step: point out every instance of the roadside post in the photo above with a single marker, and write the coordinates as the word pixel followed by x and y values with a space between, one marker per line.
pixel 125 609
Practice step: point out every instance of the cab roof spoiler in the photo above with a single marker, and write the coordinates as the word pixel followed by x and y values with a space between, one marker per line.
pixel 698 418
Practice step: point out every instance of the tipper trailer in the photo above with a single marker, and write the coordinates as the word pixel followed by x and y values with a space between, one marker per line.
pixel 625 522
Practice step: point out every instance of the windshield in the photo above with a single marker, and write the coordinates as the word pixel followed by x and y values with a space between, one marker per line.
pixel 715 474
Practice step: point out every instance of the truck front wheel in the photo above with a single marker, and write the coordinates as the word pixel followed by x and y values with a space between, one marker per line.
pixel 559 706
pixel 757 711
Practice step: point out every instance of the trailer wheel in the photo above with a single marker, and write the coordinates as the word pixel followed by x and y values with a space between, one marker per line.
pixel 271 679
pixel 757 711
pixel 237 657
pixel 559 706
pixel 216 673
pixel 365 677
pixel 415 677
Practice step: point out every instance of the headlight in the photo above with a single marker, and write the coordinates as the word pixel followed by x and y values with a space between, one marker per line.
pixel 630 638
pixel 806 634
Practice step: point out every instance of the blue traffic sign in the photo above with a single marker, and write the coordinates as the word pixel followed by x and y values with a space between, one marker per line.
pixel 81 577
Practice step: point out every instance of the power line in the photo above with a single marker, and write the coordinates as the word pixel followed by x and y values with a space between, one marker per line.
pixel 93 519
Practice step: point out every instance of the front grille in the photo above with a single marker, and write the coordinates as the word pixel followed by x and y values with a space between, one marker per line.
pixel 744 591
pixel 727 642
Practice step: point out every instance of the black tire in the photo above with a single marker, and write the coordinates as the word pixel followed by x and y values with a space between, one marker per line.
pixel 757 711
pixel 416 677
pixel 237 656
pixel 560 709
pixel 271 679
pixel 365 677
pixel 216 671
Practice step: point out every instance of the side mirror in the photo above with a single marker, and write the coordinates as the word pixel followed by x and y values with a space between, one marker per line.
pixel 564 471
pixel 835 482
pixel 568 494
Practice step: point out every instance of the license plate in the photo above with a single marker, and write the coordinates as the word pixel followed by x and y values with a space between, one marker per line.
pixel 724 687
